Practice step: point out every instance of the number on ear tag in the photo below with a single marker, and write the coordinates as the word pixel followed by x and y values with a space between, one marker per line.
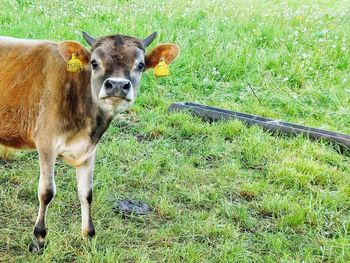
pixel 74 64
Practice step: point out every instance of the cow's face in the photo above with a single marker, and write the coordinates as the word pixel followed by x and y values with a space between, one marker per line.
pixel 117 63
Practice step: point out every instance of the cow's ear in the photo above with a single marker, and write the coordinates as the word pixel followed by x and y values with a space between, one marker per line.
pixel 166 51
pixel 67 48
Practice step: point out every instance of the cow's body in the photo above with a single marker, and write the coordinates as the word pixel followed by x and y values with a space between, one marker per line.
pixel 40 99
pixel 61 113
pixel 21 89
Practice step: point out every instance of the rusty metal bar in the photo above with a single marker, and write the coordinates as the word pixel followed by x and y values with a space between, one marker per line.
pixel 215 114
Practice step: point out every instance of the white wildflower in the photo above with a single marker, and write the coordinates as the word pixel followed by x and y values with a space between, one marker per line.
pixel 215 71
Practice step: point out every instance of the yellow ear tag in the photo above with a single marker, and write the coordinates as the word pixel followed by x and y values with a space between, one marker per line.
pixel 162 69
pixel 74 64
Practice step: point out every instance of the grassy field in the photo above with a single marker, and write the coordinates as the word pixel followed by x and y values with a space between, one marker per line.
pixel 221 192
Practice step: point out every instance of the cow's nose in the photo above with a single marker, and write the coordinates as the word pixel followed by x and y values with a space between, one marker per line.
pixel 126 87
pixel 117 87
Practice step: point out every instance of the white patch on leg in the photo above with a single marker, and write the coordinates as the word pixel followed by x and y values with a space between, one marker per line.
pixel 84 175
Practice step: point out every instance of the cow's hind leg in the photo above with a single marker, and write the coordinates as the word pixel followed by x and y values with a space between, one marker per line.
pixel 46 192
pixel 84 174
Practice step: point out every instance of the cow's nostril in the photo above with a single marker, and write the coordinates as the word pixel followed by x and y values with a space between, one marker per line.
pixel 108 85
pixel 126 87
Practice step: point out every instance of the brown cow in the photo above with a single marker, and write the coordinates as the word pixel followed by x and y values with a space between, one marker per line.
pixel 62 113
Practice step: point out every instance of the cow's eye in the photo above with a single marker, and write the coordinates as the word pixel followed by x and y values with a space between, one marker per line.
pixel 140 66
pixel 94 64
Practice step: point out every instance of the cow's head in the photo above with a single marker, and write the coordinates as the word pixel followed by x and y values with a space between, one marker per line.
pixel 117 63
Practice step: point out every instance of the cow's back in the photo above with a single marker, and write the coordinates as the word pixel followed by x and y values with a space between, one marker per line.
pixel 23 80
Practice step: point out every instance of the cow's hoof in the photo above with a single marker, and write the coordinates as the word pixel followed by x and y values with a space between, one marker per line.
pixel 35 248
pixel 90 233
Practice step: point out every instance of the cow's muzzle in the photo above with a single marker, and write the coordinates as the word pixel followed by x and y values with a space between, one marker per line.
pixel 116 87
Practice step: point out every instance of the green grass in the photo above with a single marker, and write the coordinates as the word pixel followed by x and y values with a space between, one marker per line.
pixel 222 192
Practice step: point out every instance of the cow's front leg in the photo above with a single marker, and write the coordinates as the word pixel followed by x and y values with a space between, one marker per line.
pixel 84 174
pixel 46 192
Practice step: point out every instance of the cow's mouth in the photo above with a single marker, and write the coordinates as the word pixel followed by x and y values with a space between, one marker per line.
pixel 115 98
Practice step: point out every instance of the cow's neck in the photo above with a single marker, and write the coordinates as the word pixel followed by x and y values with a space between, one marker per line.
pixel 100 118
pixel 100 122
pixel 81 109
